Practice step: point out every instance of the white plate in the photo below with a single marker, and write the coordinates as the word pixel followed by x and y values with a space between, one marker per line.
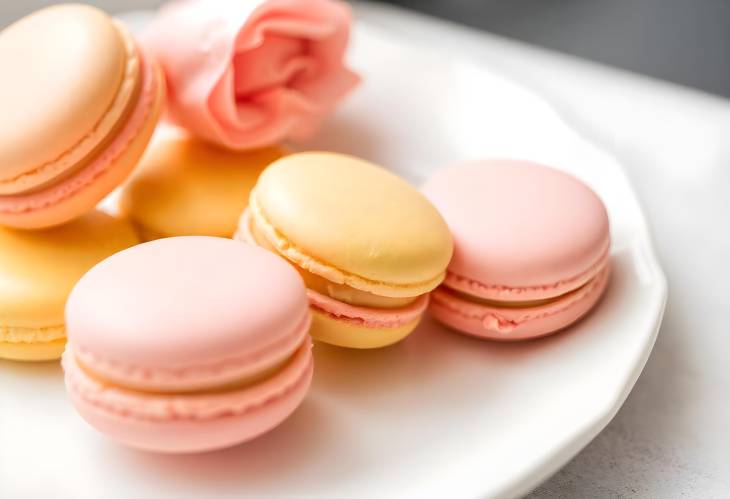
pixel 439 414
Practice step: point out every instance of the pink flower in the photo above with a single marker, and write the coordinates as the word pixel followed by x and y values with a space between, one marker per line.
pixel 250 73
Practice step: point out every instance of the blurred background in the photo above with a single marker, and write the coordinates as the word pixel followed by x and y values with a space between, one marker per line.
pixel 683 41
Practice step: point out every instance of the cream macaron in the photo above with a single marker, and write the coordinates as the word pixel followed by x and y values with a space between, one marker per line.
pixel 38 269
pixel 79 102
pixel 369 246
pixel 186 187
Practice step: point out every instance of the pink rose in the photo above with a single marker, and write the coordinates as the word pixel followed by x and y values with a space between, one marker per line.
pixel 250 73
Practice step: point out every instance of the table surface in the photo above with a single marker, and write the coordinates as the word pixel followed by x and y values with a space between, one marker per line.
pixel 671 438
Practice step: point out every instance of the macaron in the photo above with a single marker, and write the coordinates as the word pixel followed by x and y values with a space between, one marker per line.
pixel 188 344
pixel 79 103
pixel 369 246
pixel 38 269
pixel 186 187
pixel 531 249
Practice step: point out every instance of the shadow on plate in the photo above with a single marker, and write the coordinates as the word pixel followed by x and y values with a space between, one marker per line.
pixel 345 133
pixel 287 449
pixel 435 370
pixel 41 371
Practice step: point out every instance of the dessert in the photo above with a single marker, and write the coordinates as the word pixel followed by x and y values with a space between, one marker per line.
pixel 79 103
pixel 187 187
pixel 369 246
pixel 531 249
pixel 188 344
pixel 38 269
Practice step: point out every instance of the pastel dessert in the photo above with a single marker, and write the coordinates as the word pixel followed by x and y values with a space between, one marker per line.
pixel 531 249
pixel 188 344
pixel 79 103
pixel 249 74
pixel 369 246
pixel 38 269
pixel 186 187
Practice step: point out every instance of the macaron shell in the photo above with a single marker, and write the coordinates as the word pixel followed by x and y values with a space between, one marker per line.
pixel 510 324
pixel 82 190
pixel 519 227
pixel 352 222
pixel 191 423
pixel 207 311
pixel 32 352
pixel 187 187
pixel 343 333
pixel 38 269
pixel 70 84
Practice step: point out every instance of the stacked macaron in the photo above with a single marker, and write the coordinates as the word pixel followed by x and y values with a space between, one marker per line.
pixel 531 249
pixel 369 246
pixel 201 337
pixel 80 100
pixel 62 151
pixel 187 370
pixel 215 351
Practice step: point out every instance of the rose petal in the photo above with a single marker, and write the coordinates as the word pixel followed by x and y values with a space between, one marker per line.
pixel 270 64
pixel 270 114
pixel 250 73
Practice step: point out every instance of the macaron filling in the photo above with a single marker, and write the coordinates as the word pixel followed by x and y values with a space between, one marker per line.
pixel 505 317
pixel 238 369
pixel 101 160
pixel 15 335
pixel 367 317
pixel 217 402
pixel 250 231
pixel 236 384
pixel 525 294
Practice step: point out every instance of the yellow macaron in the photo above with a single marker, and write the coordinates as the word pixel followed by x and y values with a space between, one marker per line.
pixel 369 245
pixel 186 187
pixel 38 269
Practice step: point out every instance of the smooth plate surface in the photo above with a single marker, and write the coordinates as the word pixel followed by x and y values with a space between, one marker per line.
pixel 439 414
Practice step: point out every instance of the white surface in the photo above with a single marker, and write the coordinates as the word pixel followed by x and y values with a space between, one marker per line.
pixel 671 437
pixel 437 414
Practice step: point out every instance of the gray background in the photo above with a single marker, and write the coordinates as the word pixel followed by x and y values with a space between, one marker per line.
pixel 684 41
pixel 12 9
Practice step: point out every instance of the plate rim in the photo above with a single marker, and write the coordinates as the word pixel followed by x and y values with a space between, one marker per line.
pixel 528 479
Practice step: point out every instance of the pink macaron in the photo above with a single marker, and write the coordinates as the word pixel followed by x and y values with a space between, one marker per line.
pixel 531 249
pixel 188 344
